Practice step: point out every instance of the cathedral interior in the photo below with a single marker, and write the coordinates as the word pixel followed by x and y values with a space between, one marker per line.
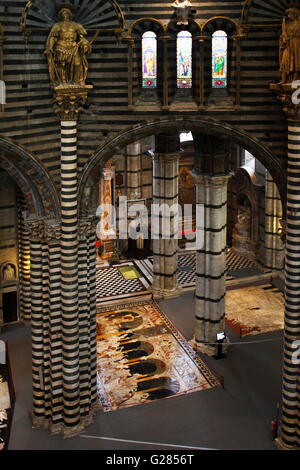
pixel 109 325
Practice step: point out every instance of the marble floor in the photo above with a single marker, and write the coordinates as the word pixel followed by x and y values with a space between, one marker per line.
pixel 142 357
pixel 114 285
pixel 236 417
pixel 254 310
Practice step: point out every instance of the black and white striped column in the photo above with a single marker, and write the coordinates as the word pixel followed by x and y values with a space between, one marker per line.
pixel 165 193
pixel 24 270
pixel 37 333
pixel 87 312
pixel 134 171
pixel 273 249
pixel 69 275
pixel 52 326
pixel 290 424
pixel 211 197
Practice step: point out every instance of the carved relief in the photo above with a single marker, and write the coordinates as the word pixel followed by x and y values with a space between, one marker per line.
pixel 9 273
pixel 182 8
pixel 41 230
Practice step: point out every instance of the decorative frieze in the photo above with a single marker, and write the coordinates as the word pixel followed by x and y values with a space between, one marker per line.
pixel 43 230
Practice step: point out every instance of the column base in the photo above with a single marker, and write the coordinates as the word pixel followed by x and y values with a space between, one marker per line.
pixel 209 348
pixel 59 428
pixel 166 294
pixel 282 446
pixel 203 348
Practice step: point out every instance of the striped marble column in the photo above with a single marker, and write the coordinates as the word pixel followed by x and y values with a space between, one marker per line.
pixel 290 424
pixel 52 326
pixel 134 169
pixel 165 193
pixel 273 249
pixel 69 274
pixel 211 196
pixel 289 432
pixel 87 312
pixel 24 271
pixel 38 359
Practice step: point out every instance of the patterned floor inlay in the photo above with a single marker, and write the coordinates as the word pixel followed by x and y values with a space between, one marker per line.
pixel 255 310
pixel 141 357
pixel 238 267
pixel 118 282
pixel 132 279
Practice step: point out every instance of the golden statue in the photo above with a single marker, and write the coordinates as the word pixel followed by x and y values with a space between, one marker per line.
pixel 66 49
pixel 290 46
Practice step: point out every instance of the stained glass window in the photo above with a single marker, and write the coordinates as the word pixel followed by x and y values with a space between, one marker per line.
pixel 219 59
pixel 149 56
pixel 184 60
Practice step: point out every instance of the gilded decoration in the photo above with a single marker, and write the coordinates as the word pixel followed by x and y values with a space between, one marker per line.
pixel 67 46
pixel 289 58
pixel 290 46
pixel 289 98
pixel 67 50
pixel 70 101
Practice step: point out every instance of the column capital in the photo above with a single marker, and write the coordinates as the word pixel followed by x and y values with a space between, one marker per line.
pixel 70 100
pixel 43 229
pixel 210 180
pixel 166 157
pixel 87 226
pixel 285 93
pixel 108 173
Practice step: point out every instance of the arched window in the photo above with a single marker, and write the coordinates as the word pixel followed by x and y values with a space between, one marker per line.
pixel 219 59
pixel 184 60
pixel 149 60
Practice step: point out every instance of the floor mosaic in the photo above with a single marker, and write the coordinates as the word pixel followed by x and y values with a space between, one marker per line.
pixel 255 310
pixel 141 357
pixel 111 282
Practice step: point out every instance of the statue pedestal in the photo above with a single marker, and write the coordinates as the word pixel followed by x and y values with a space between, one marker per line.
pixel 284 92
pixel 70 100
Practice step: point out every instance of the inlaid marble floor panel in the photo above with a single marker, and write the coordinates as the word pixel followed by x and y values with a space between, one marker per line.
pixel 141 357
pixel 255 310
pixel 238 267
pixel 112 285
